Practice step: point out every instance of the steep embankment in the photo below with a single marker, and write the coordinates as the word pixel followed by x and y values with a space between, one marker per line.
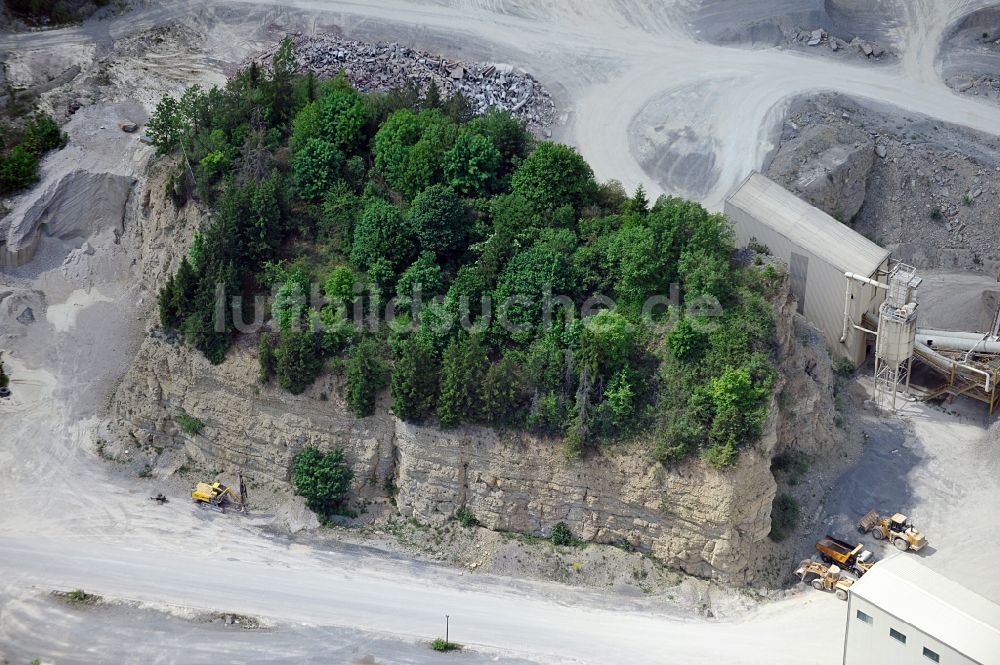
pixel 693 517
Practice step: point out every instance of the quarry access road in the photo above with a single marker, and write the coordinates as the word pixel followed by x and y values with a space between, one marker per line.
pixel 488 615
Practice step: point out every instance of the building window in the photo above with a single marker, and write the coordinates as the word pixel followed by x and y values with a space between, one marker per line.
pixel 865 618
pixel 898 636
pixel 931 655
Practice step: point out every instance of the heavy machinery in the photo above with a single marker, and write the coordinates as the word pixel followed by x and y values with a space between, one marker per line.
pixel 824 578
pixel 896 529
pixel 854 558
pixel 217 496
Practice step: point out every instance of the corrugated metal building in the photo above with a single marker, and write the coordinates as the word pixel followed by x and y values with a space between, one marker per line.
pixel 901 612
pixel 818 250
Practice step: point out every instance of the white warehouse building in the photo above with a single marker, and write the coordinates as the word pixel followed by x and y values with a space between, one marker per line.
pixel 903 613
pixel 818 250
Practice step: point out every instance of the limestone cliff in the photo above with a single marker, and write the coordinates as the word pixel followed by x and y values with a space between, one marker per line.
pixel 692 517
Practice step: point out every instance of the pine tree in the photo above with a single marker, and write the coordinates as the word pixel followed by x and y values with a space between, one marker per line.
pixel 432 98
pixel 414 380
pixel 365 378
pixel 462 375
pixel 499 393
pixel 453 386
pixel 185 286
pixel 168 317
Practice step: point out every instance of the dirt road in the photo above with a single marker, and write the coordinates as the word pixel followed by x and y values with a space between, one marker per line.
pixel 647 103
pixel 534 622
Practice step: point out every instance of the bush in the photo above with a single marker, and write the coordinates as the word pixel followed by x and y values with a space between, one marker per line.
pixel 440 644
pixel 686 342
pixel 561 535
pixel 298 360
pixel 265 358
pixel 466 518
pixel 4 378
pixel 42 134
pixel 81 597
pixel 19 169
pixel 784 517
pixel 471 165
pixel 381 233
pixel 844 367
pixel 188 423
pixel 316 167
pixel 323 479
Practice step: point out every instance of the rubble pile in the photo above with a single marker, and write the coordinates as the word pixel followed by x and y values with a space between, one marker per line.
pixel 819 36
pixel 379 66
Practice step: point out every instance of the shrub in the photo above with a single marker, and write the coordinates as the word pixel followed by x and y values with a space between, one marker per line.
pixel 784 517
pixel 298 360
pixel 265 358
pixel 42 134
pixel 936 213
pixel 686 342
pixel 81 597
pixel 471 165
pixel 466 518
pixel 316 166
pixel 188 423
pixel 440 644
pixel 561 534
pixel 844 367
pixel 19 169
pixel 381 233
pixel 323 479
pixel 4 379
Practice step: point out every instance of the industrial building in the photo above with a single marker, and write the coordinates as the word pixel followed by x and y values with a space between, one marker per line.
pixel 902 612
pixel 819 250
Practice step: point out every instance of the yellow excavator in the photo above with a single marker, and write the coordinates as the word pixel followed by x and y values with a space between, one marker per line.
pixel 217 496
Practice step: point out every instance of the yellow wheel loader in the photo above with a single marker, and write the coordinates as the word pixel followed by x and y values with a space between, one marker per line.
pixel 824 578
pixel 896 529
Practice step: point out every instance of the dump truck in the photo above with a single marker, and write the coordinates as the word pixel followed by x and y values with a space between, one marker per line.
pixel 854 558
pixel 824 578
pixel 215 495
pixel 896 529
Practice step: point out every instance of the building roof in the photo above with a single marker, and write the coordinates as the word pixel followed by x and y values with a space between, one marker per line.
pixel 949 612
pixel 807 226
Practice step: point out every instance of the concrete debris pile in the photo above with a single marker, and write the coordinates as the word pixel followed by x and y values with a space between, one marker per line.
pixel 819 36
pixel 380 66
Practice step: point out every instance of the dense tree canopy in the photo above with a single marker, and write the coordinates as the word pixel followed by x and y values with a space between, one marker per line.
pixel 563 306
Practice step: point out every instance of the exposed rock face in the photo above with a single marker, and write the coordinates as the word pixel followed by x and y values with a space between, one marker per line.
pixel 703 521
pixel 827 166
pixel 692 517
